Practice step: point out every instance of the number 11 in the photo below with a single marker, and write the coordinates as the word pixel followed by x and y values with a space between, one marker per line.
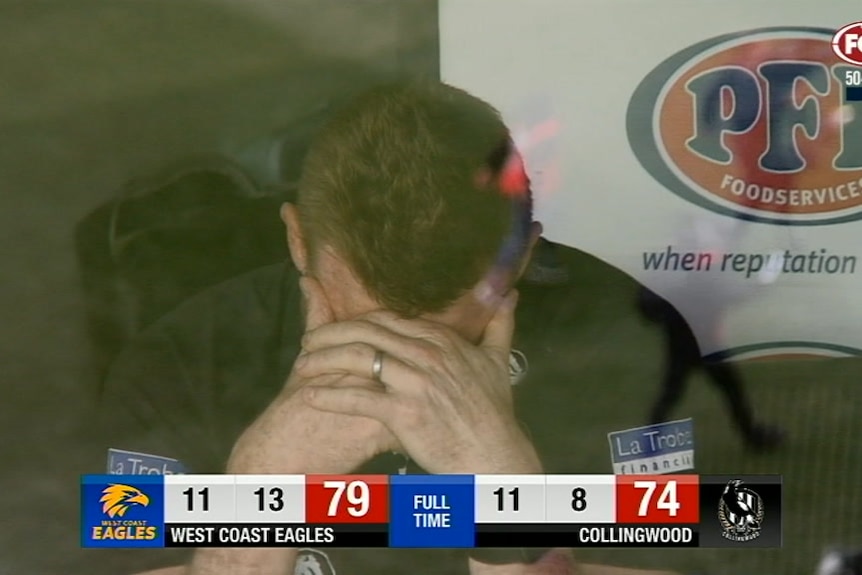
pixel 204 492
pixel 500 498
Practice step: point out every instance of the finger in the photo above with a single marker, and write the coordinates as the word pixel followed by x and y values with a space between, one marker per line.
pixel 382 328
pixel 342 380
pixel 376 336
pixel 317 309
pixel 350 401
pixel 500 330
pixel 417 327
pixel 357 360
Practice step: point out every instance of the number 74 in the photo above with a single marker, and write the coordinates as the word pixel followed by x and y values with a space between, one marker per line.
pixel 666 501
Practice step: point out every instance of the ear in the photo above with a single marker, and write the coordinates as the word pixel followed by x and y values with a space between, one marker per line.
pixel 535 234
pixel 295 238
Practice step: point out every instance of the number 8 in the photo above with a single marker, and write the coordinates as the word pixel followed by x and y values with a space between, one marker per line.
pixel 579 499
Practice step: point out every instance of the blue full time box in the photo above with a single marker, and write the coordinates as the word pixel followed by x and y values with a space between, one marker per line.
pixel 432 511
pixel 653 449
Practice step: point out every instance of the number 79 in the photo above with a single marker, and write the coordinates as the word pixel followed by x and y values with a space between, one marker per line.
pixel 358 497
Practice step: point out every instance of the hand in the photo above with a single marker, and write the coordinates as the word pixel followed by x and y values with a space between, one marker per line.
pixel 291 437
pixel 556 561
pixel 448 402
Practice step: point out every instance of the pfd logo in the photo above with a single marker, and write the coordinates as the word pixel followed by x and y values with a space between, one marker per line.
pixel 754 125
pixel 847 43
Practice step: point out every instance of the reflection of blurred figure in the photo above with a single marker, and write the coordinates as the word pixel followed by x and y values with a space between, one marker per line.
pixel 683 356
pixel 703 298
pixel 536 129
pixel 545 267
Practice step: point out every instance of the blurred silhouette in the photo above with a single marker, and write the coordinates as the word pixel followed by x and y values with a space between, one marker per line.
pixel 682 357
pixel 682 352
pixel 839 562
pixel 163 239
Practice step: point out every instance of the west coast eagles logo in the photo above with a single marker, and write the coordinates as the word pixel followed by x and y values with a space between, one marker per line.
pixel 313 562
pixel 117 499
pixel 740 512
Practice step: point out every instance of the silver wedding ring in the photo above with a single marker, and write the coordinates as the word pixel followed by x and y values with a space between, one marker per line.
pixel 377 366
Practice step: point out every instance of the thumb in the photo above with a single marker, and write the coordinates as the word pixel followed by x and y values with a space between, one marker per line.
pixel 317 310
pixel 500 330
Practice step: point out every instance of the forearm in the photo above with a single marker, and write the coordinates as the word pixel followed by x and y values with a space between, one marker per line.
pixel 553 562
pixel 247 458
pixel 243 562
pixel 557 562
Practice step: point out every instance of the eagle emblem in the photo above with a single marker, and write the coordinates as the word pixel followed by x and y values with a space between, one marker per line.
pixel 117 498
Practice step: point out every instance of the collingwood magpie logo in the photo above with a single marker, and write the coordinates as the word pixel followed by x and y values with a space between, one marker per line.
pixel 740 512
pixel 313 562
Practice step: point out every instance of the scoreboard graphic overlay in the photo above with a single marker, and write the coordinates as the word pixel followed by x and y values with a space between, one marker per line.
pixel 424 511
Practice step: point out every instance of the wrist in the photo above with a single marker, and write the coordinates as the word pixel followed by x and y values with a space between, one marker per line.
pixel 525 460
pixel 508 555
pixel 252 455
pixel 249 561
pixel 293 464
pixel 250 458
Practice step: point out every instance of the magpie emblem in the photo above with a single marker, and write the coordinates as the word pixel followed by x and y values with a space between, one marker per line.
pixel 740 512
pixel 313 562
pixel 518 366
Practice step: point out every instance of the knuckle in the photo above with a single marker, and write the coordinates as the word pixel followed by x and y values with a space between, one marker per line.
pixel 430 353
pixel 368 326
pixel 311 336
pixel 436 335
pixel 410 413
pixel 380 315
pixel 359 350
pixel 350 380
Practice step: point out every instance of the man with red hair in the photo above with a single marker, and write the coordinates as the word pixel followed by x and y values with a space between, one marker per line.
pixel 383 346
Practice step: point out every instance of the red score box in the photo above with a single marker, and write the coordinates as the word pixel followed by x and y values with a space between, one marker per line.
pixel 657 499
pixel 347 499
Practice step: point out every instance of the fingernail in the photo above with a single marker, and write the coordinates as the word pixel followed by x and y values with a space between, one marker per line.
pixel 485 292
pixel 511 300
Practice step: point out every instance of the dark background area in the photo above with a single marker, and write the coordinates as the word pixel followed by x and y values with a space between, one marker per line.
pixel 97 92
